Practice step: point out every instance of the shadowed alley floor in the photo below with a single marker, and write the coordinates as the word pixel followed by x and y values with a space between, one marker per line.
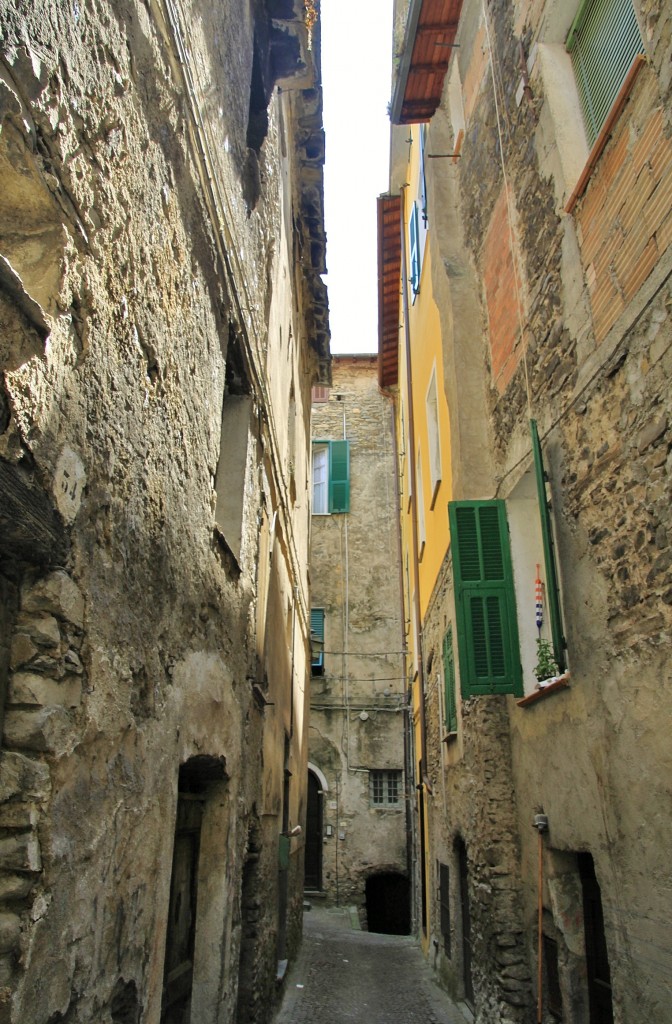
pixel 343 974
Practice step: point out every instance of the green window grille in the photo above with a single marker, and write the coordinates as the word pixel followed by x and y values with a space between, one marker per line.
pixel 603 42
pixel 550 564
pixel 487 629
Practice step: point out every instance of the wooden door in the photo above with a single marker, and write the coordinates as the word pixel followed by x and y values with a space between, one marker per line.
pixel 597 959
pixel 181 931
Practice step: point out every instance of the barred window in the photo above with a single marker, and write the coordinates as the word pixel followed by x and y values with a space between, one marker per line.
pixel 385 788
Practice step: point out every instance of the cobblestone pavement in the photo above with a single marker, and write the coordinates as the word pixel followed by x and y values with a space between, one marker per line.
pixel 343 975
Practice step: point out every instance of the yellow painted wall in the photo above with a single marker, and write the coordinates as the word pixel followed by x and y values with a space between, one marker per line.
pixel 426 357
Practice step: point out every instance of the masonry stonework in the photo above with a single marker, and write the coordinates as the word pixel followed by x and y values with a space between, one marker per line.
pixel 589 360
pixel 358 712
pixel 161 243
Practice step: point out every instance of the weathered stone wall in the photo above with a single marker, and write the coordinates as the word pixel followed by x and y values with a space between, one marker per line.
pixel 592 757
pixel 472 800
pixel 158 192
pixel 357 719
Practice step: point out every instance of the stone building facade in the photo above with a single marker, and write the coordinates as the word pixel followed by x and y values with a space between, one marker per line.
pixel 161 246
pixel 357 842
pixel 550 270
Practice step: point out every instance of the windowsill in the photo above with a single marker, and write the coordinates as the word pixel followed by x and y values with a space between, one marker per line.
pixel 603 137
pixel 561 683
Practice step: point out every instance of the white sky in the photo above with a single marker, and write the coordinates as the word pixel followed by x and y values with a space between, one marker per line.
pixel 356 76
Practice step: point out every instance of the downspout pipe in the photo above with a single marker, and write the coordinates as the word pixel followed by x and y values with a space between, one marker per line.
pixel 414 497
pixel 408 755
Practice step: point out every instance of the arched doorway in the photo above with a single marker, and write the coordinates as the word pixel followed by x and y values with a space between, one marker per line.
pixel 388 904
pixel 317 785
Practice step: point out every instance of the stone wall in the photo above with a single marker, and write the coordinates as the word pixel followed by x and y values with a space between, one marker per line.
pixel 472 801
pixel 161 248
pixel 357 718
pixel 589 359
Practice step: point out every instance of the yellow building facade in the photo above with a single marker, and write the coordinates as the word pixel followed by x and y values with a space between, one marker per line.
pixel 423 438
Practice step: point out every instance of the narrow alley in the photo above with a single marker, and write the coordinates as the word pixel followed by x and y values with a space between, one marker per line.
pixel 345 974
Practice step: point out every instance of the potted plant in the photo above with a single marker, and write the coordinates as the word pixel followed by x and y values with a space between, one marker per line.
pixel 546 667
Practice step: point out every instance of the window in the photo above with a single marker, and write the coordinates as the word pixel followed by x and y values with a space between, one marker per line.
pixel 552 587
pixel 487 630
pixel 232 465
pixel 414 233
pixel 385 788
pixel 317 638
pixel 432 409
pixel 331 477
pixel 320 480
pixel 603 42
pixel 319 395
pixel 449 681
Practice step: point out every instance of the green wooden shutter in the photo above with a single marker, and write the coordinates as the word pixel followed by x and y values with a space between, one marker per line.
pixel 487 629
pixel 449 681
pixel 552 588
pixel 317 632
pixel 339 476
pixel 603 41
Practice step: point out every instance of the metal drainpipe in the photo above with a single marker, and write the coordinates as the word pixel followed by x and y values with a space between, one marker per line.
pixel 414 498
pixel 408 763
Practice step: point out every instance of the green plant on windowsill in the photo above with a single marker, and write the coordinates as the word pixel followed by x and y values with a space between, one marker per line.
pixel 547 666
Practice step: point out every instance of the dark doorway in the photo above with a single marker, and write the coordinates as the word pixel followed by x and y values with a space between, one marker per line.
pixel 597 958
pixel 463 868
pixel 313 862
pixel 178 972
pixel 388 904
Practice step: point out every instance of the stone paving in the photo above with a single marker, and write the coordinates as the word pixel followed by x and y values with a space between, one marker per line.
pixel 344 975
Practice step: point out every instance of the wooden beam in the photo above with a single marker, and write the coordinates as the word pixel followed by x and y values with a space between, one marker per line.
pixel 30 528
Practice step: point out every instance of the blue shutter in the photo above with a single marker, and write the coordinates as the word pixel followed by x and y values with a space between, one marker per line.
pixel 339 476
pixel 487 629
pixel 415 250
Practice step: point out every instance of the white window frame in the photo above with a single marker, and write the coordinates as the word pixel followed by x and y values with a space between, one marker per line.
pixel 320 462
